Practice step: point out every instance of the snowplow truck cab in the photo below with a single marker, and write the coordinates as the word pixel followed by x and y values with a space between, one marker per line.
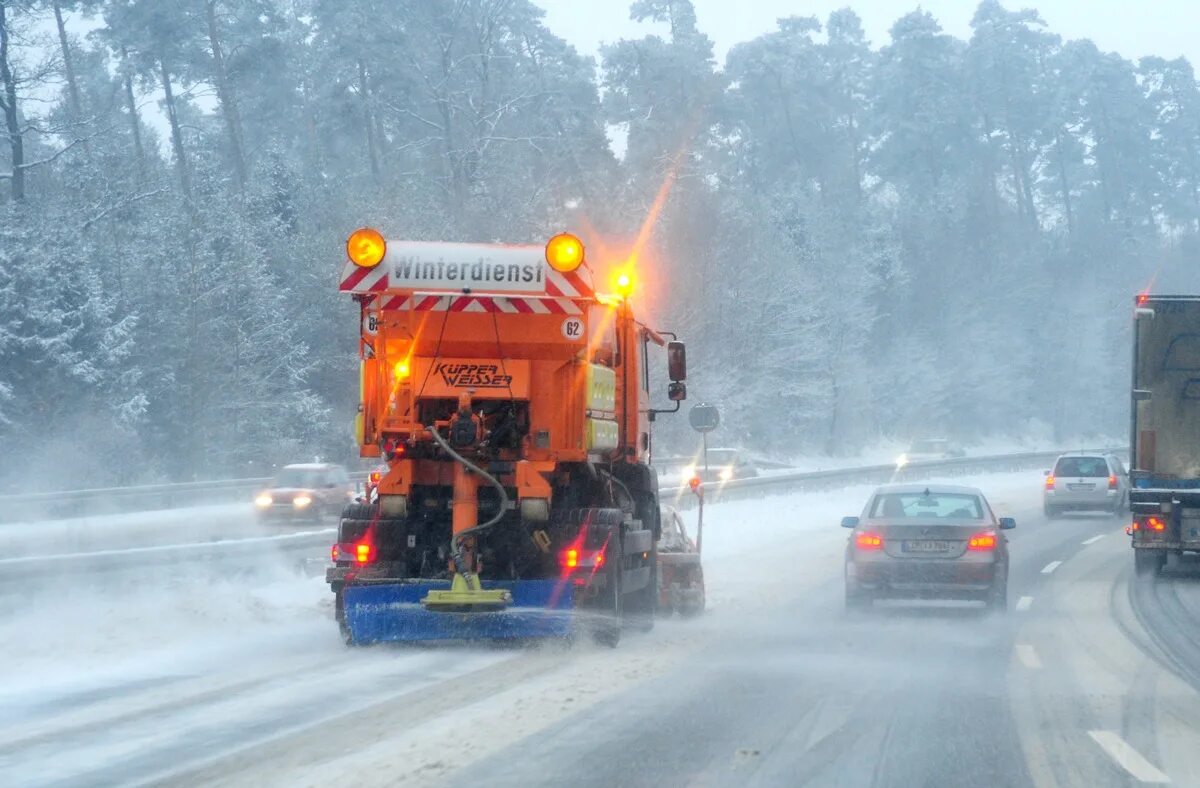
pixel 508 402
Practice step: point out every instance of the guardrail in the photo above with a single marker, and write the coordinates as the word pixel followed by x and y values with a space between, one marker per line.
pixel 246 554
pixel 804 481
pixel 125 500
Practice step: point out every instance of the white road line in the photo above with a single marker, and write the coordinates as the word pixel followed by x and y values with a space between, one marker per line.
pixel 1128 758
pixel 1024 603
pixel 1094 539
pixel 1028 656
pixel 1050 567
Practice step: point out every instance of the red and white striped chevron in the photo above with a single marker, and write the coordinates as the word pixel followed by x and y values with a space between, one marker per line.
pixel 511 305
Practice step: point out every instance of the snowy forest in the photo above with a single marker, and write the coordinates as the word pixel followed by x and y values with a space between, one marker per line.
pixel 930 236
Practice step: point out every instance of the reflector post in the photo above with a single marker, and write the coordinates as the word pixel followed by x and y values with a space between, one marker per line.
pixel 366 247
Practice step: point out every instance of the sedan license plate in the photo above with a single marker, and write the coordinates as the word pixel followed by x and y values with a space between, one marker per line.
pixel 927 546
pixel 1081 486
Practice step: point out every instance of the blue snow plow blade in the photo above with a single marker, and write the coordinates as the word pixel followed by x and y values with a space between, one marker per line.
pixel 393 612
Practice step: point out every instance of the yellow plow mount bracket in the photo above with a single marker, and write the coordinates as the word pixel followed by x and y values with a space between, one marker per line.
pixel 466 595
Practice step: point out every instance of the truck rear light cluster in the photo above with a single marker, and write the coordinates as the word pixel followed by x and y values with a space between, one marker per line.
pixel 1153 524
pixel 868 541
pixel 359 552
pixel 985 540
pixel 575 558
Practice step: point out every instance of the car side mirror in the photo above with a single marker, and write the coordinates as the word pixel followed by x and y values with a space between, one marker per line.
pixel 850 522
pixel 677 391
pixel 1007 523
pixel 676 362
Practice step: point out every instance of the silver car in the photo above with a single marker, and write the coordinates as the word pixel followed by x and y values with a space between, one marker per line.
pixel 1082 481
pixel 927 541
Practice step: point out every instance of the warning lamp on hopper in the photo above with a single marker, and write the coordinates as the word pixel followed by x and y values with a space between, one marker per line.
pixel 564 253
pixel 623 283
pixel 366 247
pixel 401 370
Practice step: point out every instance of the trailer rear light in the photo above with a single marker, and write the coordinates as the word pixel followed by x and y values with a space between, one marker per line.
pixel 1112 482
pixel 868 541
pixel 1156 524
pixel 574 558
pixel 982 541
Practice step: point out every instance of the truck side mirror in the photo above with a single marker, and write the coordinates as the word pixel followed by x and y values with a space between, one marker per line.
pixel 676 363
pixel 677 392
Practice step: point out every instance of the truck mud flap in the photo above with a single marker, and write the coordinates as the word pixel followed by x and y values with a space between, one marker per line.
pixel 393 612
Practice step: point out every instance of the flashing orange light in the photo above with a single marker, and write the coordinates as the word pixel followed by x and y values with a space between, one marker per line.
pixel 362 552
pixel 564 253
pixel 402 370
pixel 867 541
pixel 366 247
pixel 694 483
pixel 624 283
pixel 983 541
pixel 1142 298
pixel 375 477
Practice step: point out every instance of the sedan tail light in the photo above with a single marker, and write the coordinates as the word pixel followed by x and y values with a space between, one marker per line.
pixel 868 541
pixel 985 540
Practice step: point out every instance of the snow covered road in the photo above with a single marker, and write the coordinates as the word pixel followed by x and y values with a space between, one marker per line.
pixel 154 681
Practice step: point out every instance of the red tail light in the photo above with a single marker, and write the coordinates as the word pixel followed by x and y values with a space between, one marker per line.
pixel 868 541
pixel 1156 524
pixel 574 558
pixel 1112 482
pixel 982 541
pixel 1050 482
pixel 362 552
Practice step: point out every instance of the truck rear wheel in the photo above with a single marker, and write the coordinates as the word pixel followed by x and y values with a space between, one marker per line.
pixel 643 604
pixel 1147 563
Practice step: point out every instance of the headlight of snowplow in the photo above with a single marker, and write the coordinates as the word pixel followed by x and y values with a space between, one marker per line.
pixel 300 501
pixel 263 501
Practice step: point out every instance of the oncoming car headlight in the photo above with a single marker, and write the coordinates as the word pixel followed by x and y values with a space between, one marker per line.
pixel 263 500
pixel 300 501
pixel 726 474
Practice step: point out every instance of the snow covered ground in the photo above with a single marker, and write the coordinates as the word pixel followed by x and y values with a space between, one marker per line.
pixel 127 677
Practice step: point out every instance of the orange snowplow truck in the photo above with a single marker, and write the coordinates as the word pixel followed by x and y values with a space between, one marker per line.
pixel 508 400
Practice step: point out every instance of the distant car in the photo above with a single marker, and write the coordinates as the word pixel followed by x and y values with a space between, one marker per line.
pixel 933 449
pixel 310 491
pixel 723 465
pixel 927 541
pixel 1086 481
pixel 680 574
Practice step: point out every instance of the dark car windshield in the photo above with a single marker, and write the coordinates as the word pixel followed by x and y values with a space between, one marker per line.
pixel 297 477
pixel 1081 466
pixel 924 505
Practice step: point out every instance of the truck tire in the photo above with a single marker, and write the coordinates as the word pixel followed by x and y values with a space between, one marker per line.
pixel 356 518
pixel 607 611
pixel 1147 563
pixel 643 604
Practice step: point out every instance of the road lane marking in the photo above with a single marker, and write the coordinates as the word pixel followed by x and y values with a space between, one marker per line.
pixel 1128 758
pixel 1094 539
pixel 1050 567
pixel 1028 656
pixel 1024 603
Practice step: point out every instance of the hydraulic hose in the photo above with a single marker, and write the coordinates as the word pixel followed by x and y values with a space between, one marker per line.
pixel 480 527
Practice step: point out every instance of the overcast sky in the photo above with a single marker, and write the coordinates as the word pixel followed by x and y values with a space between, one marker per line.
pixel 1167 28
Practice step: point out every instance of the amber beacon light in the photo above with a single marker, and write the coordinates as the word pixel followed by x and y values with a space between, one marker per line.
pixel 365 247
pixel 564 253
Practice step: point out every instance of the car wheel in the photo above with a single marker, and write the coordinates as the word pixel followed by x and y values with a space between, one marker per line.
pixel 1050 511
pixel 857 600
pixel 997 598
